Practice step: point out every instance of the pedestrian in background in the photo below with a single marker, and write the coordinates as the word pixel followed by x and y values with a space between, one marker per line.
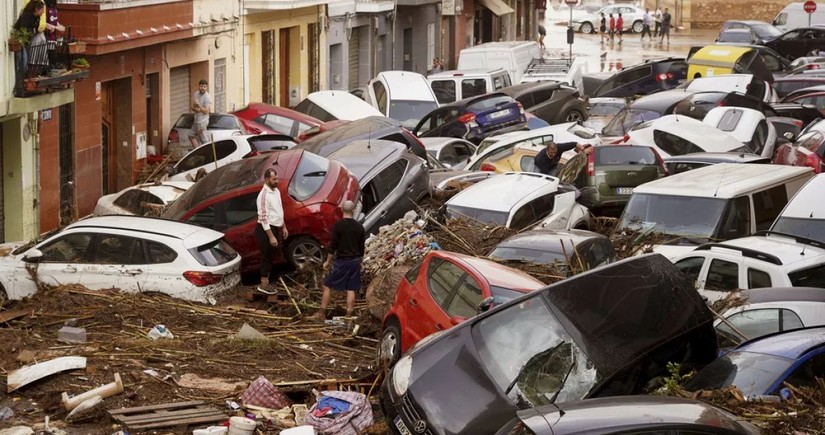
pixel 547 161
pixel 620 26
pixel 271 229
pixel 657 19
pixel 666 26
pixel 612 27
pixel 646 21
pixel 346 249
pixel 438 66
pixel 602 27
pixel 542 34
pixel 201 106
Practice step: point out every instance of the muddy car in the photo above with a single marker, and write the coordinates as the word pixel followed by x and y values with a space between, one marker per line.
pixel 606 332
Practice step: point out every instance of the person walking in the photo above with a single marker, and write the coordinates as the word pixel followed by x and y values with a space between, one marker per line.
pixel 438 66
pixel 547 161
pixel 657 19
pixel 271 229
pixel 346 249
pixel 620 26
pixel 542 34
pixel 602 27
pixel 666 26
pixel 646 21
pixel 201 106
pixel 612 27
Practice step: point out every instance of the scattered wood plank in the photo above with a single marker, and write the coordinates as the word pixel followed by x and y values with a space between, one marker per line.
pixel 167 415
pixel 8 316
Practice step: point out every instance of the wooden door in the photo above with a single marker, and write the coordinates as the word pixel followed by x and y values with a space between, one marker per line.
pixel 283 70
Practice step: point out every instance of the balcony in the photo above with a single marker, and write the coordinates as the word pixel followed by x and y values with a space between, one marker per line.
pixel 48 67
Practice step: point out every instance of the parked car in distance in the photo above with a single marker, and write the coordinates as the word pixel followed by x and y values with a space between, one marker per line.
pixel 451 152
pixel 807 150
pixel 401 95
pixel 762 31
pixel 686 162
pixel 762 366
pixel 474 119
pixel 280 119
pixel 220 126
pixel 512 56
pixel 336 105
pixel 607 176
pixel 569 251
pixel 648 77
pixel 813 96
pixel 601 110
pixel 644 109
pixel 798 42
pixel 373 127
pixel 673 135
pixel 804 215
pixel 392 180
pixel 452 86
pixel 214 155
pixel 312 190
pixel 146 199
pixel 785 85
pixel 748 126
pixel 524 200
pixel 631 14
pixel 641 414
pixel 552 102
pixel 475 376
pixel 130 253
pixel 737 36
pixel 448 288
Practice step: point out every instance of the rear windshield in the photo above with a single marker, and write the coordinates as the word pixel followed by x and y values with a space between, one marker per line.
pixel 808 228
pixel 691 217
pixel 538 256
pixel 502 295
pixel 606 109
pixel 214 253
pixel 766 31
pixel 811 277
pixel 309 176
pixel 478 214
pixel 206 154
pixel 266 144
pixel 674 145
pixel 626 119
pixel 735 37
pixel 489 103
pixel 625 156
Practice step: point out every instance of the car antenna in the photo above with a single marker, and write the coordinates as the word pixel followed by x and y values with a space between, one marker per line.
pixel 720 181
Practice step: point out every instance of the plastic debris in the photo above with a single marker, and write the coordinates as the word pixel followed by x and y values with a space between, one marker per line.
pixel 6 413
pixel 159 331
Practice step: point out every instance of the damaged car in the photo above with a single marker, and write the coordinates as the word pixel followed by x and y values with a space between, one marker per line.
pixel 607 332
pixel 568 251
pixel 148 199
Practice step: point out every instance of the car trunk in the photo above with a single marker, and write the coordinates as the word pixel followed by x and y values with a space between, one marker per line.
pixel 621 179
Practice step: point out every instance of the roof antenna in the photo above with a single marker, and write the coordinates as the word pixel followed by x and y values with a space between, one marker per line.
pixel 718 185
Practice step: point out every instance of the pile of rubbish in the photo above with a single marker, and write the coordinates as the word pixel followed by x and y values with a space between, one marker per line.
pixel 402 243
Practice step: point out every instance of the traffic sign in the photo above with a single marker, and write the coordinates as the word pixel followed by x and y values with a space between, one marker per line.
pixel 575 2
pixel 809 7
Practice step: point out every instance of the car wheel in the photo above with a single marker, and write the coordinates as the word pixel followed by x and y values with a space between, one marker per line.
pixel 573 116
pixel 389 348
pixel 638 26
pixel 4 297
pixel 586 28
pixel 304 250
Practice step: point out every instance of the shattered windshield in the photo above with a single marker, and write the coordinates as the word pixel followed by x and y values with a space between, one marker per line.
pixel 628 118
pixel 530 356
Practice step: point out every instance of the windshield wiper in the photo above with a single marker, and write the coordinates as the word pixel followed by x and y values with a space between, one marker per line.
pixel 316 174
pixel 526 364
pixel 563 381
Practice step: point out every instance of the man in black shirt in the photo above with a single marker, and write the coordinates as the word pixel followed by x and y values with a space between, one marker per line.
pixel 345 252
pixel 547 160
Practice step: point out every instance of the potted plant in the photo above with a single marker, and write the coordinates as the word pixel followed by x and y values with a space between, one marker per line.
pixel 80 63
pixel 18 39
pixel 77 47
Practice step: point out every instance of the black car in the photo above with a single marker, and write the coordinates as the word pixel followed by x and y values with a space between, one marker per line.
pixel 638 415
pixel 762 32
pixel 644 109
pixel 474 119
pixel 606 332
pixel 799 42
pixel 645 78
pixel 699 104
pixel 570 251
pixel 553 102
pixel 372 127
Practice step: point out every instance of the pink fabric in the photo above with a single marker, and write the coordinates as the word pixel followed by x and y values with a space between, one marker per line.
pixel 262 393
pixel 350 422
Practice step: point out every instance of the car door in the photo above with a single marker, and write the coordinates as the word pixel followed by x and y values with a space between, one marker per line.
pixel 62 261
pixel 389 202
pixel 464 300
pixel 161 269
pixel 116 261
pixel 694 269
pixel 784 45
pixel 428 312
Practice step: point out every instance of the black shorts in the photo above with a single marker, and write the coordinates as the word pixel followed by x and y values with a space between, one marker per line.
pixel 345 274
pixel 602 29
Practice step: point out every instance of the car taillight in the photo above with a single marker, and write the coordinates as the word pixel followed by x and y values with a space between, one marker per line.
pixel 467 118
pixel 664 76
pixel 591 164
pixel 201 279
pixel 813 66
pixel 173 137
pixel 660 161
pixel 624 139
pixel 798 123
pixel 815 162
pixel 488 167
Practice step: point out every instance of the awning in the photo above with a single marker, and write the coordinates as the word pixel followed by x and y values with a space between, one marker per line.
pixel 498 7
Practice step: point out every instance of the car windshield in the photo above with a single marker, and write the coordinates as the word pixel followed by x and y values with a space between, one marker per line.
pixel 766 31
pixel 309 176
pixel 410 112
pixel 214 253
pixel 752 373
pixel 735 36
pixel 801 227
pixel 478 214
pixel 810 277
pixel 530 356
pixel 538 256
pixel 691 217
pixel 626 119
pixel 606 109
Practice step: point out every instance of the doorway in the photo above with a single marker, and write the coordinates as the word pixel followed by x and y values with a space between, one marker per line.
pixel 153 111
pixel 116 135
pixel 408 48
pixel 268 66
pixel 283 68
pixel 66 153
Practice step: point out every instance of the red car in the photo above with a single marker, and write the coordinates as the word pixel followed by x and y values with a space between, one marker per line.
pixel 312 190
pixel 808 150
pixel 279 119
pixel 443 290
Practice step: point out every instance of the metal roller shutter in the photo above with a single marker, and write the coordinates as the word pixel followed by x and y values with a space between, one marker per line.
pixel 354 46
pixel 179 92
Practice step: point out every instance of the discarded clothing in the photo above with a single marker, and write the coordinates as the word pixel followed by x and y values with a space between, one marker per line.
pixel 330 406
pixel 262 393
pixel 350 421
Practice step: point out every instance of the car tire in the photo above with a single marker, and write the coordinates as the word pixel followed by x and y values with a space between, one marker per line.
pixel 573 115
pixel 586 28
pixel 304 249
pixel 638 26
pixel 389 347
pixel 4 297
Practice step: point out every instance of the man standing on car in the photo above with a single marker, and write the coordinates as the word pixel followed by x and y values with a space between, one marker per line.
pixel 547 161
pixel 271 230
pixel 346 249
pixel 201 106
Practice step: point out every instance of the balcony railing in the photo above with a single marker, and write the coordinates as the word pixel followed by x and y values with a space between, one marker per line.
pixel 48 66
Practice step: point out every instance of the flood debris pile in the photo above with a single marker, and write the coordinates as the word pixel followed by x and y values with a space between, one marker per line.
pixel 402 243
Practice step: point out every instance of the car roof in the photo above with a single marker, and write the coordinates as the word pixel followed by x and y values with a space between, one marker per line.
pixel 774 248
pixel 660 100
pixel 783 294
pixel 729 157
pixel 364 156
pixel 343 105
pixel 406 85
pixel 167 191
pixel 790 344
pixel 805 204
pixel 508 189
pixel 371 126
pixel 549 240
pixel 502 45
pixel 496 274
pixel 465 72
pixel 724 180
pixel 191 235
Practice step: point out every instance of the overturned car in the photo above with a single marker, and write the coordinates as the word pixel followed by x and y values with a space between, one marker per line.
pixel 606 332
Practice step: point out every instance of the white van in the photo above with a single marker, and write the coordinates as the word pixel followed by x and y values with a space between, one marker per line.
pixel 512 56
pixel 450 86
pixel 401 95
pixel 804 216
pixel 794 17
pixel 718 202
pixel 336 105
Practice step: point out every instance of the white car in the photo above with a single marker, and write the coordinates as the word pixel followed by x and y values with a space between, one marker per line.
pixel 675 135
pixel 519 200
pixel 632 17
pixel 210 157
pixel 804 215
pixel 129 253
pixel 493 147
pixel 401 95
pixel 748 126
pixel 336 105
pixel 747 84
pixel 141 200
pixel 451 152
pixel 769 260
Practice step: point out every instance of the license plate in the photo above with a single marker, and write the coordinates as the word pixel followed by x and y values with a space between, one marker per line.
pixel 401 426
pixel 500 114
pixel 624 190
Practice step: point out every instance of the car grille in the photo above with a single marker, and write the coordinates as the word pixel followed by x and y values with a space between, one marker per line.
pixel 411 415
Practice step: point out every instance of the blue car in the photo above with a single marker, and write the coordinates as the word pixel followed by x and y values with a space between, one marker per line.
pixel 474 119
pixel 760 367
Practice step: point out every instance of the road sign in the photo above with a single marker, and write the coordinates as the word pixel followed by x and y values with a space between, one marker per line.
pixel 809 6
pixel 575 2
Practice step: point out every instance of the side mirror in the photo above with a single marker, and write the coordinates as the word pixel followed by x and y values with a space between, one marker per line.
pixel 33 256
pixel 485 305
pixel 455 320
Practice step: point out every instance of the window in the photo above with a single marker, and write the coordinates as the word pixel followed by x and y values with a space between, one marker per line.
pixel 498 83
pixel 674 145
pixel 159 253
pixel 736 221
pixel 722 275
pixel 240 209
pixel 382 185
pixel 633 75
pixel 473 88
pixel 380 96
pixel 756 88
pixel 625 156
pixel 691 267
pixel 730 120
pixel 758 323
pixel 309 176
pixel 442 278
pixel 278 123
pixel 569 173
pixel 466 299
pixel 806 374
pixel 70 248
pixel 203 155
pixel 527 164
pixel 135 201
pixel 214 253
pixel 266 143
pixel 219 87
pixel 600 252
pixel 308 107
pixel 760 134
pixel 771 61
pixel 412 274
pixel 542 95
pixel 767 205
pixel 811 277
pixel 533 211
pixel 758 278
pixel 115 249
pixel 206 218
pixel 526 101
pixel 444 90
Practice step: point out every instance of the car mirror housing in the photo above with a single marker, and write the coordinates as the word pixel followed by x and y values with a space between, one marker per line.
pixel 33 256
pixel 485 304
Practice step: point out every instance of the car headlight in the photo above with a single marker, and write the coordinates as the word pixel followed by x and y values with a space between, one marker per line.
pixel 401 375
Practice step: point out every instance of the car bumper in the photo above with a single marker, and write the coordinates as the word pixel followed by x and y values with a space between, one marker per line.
pixel 401 413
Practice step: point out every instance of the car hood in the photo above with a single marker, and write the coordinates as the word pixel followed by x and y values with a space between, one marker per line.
pixel 673 251
pixel 617 315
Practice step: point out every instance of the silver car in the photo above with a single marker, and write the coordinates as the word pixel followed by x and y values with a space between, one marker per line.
pixel 631 15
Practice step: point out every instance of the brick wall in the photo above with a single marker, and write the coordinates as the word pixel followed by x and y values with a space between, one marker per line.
pixel 710 14
pixel 49 203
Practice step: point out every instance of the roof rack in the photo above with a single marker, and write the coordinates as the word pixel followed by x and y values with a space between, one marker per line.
pixel 548 66
pixel 798 239
pixel 750 253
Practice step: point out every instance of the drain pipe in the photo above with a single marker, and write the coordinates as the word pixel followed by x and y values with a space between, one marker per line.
pixel 394 18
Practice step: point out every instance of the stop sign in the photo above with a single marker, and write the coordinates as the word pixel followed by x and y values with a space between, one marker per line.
pixel 809 7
